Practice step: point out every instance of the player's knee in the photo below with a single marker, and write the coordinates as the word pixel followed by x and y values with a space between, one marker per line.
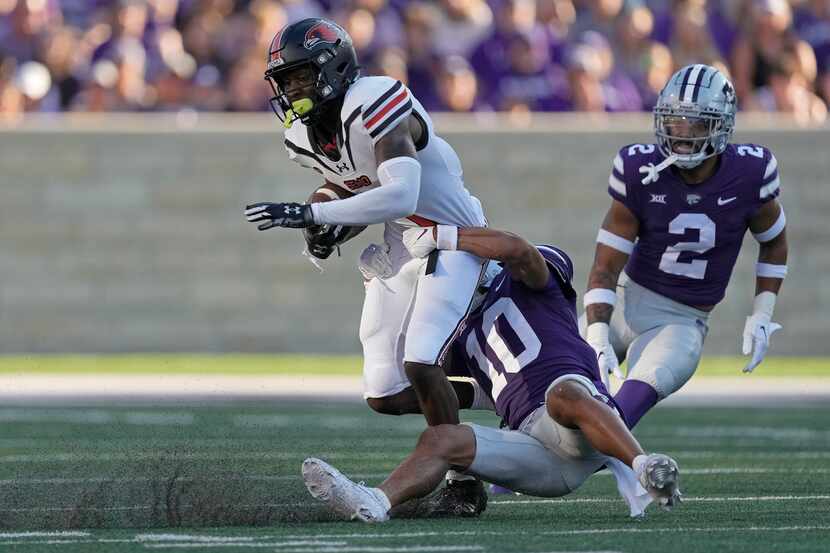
pixel 383 405
pixel 403 403
pixel 418 373
pixel 567 401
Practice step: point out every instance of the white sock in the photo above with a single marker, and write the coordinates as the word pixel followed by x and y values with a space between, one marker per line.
pixel 456 476
pixel 383 498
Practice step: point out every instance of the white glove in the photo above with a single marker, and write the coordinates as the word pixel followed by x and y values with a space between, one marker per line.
pixel 419 241
pixel 758 330
pixel 375 262
pixel 597 338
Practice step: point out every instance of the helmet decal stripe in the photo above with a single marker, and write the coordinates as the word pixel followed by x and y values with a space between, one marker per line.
pixel 699 84
pixel 685 81
pixel 688 90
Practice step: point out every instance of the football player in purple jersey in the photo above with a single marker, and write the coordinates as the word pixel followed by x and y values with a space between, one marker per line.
pixel 679 212
pixel 522 345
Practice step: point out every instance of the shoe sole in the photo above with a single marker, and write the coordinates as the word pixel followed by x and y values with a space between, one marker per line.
pixel 668 492
pixel 320 478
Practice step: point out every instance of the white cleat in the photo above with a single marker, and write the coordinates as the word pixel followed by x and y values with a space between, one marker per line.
pixel 348 499
pixel 660 476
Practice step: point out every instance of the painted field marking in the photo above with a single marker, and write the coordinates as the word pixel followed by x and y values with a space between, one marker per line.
pixel 7 535
pixel 357 475
pixel 461 533
pixel 685 499
pixel 193 456
pixel 342 549
pixel 535 501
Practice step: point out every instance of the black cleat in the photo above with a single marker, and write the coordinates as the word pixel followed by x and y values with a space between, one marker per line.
pixel 459 498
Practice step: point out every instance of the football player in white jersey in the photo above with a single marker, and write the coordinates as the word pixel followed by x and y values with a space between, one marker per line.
pixel 371 137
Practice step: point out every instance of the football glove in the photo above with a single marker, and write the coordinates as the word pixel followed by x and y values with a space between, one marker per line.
pixel 322 240
pixel 758 330
pixel 291 215
pixel 419 241
pixel 375 262
pixel 597 338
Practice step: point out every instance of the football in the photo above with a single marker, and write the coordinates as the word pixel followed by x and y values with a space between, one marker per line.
pixel 328 192
pixel 339 234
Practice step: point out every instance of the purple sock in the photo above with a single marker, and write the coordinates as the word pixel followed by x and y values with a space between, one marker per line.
pixel 634 399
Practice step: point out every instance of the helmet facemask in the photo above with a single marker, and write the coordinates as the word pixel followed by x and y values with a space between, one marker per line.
pixel 306 107
pixel 704 135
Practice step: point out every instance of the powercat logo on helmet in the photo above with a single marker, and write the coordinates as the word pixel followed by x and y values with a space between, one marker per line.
pixel 321 32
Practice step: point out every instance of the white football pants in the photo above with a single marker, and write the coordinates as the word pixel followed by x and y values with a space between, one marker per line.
pixel 412 316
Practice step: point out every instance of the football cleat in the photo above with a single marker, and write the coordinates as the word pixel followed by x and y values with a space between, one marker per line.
pixel 660 476
pixel 459 498
pixel 350 500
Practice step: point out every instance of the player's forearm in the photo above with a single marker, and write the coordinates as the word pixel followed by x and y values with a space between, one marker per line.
pixel 397 197
pixel 487 243
pixel 772 265
pixel 601 278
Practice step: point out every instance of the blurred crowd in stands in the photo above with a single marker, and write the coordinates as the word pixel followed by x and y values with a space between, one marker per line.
pixel 455 55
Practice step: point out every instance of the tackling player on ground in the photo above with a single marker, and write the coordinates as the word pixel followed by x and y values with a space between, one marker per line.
pixel 371 137
pixel 522 345
pixel 678 216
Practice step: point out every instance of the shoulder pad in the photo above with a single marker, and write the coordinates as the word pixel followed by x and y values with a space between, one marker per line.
pixel 384 102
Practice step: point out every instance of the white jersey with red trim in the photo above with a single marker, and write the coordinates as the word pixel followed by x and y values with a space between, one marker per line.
pixel 372 107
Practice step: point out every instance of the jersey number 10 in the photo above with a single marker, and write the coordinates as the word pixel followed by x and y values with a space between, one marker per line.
pixel 507 308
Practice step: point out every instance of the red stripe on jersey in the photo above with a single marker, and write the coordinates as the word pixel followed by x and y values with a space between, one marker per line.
pixel 379 115
pixel 421 221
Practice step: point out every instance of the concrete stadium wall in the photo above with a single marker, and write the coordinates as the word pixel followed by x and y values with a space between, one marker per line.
pixel 119 237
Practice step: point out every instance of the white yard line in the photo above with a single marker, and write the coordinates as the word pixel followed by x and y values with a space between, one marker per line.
pixel 67 457
pixel 759 498
pixel 364 475
pixel 7 535
pixel 498 502
pixel 340 549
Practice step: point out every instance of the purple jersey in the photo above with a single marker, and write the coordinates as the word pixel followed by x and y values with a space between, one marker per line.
pixel 520 340
pixel 690 236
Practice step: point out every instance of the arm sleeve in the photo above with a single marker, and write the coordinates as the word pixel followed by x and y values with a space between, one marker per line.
pixel 397 197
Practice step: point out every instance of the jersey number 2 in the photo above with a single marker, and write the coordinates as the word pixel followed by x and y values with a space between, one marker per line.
pixel 512 363
pixel 706 241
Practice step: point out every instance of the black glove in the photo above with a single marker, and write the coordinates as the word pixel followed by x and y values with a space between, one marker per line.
pixel 321 240
pixel 291 215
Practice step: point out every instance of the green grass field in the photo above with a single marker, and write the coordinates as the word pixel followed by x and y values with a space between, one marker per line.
pixel 225 477
pixel 773 367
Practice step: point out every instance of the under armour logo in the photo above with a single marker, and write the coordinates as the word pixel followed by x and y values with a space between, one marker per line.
pixel 292 210
pixel 342 167
pixel 657 199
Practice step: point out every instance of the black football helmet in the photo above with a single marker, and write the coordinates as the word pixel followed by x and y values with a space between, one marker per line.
pixel 325 48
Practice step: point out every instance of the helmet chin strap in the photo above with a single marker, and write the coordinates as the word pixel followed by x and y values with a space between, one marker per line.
pixel 652 172
pixel 298 109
